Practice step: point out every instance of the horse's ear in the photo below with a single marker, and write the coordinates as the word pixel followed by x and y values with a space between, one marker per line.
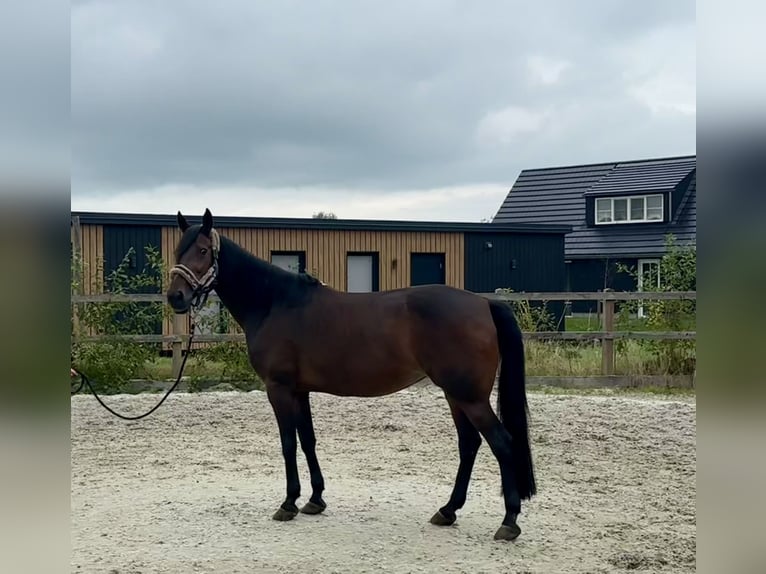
pixel 182 223
pixel 207 222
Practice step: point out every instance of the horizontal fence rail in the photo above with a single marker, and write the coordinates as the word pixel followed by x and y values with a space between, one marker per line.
pixel 520 296
pixel 607 335
pixel 544 335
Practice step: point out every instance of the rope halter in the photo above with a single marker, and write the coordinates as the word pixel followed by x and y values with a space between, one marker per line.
pixel 201 287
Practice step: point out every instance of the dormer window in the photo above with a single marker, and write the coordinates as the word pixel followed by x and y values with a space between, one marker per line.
pixel 630 209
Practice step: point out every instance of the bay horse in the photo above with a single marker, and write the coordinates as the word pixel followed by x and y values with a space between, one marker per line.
pixel 303 336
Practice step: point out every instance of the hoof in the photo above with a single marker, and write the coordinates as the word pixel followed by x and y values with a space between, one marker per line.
pixel 313 507
pixel 283 515
pixel 508 532
pixel 439 519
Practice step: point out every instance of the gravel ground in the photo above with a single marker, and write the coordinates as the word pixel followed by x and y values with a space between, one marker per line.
pixel 192 488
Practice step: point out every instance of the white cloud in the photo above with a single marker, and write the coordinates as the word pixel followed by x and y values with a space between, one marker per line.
pixel 659 69
pixel 544 70
pixel 504 126
pixel 105 36
pixel 665 93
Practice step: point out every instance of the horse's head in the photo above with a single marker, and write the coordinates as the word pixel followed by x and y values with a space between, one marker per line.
pixel 196 268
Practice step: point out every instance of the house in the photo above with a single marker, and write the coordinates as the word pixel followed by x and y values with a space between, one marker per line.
pixel 620 213
pixel 348 255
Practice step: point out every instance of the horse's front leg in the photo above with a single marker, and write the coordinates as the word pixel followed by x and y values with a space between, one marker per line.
pixel 287 410
pixel 316 504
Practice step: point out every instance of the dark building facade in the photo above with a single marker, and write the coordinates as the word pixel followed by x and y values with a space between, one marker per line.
pixel 620 214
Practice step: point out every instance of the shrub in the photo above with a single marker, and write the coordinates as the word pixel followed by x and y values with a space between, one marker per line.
pixel 678 272
pixel 233 358
pixel 531 317
pixel 111 361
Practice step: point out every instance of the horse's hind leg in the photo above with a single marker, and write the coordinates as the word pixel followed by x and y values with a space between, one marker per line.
pixel 315 505
pixel 482 416
pixel 469 441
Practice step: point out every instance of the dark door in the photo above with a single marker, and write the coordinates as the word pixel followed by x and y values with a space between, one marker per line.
pixel 427 268
pixel 131 241
pixel 119 240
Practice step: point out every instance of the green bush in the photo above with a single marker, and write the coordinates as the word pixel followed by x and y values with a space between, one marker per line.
pixel 532 317
pixel 235 364
pixel 111 362
pixel 678 272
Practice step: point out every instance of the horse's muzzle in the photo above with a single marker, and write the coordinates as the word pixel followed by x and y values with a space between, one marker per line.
pixel 178 301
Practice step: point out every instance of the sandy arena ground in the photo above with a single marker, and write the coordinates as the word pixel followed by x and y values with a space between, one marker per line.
pixel 192 488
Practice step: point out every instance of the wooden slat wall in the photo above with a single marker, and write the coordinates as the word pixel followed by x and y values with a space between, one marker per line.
pixel 92 258
pixel 92 254
pixel 326 251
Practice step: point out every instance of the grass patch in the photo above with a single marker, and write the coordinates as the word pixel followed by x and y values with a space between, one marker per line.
pixel 613 391
pixel 582 359
pixel 593 323
pixel 161 369
pixel 582 323
pixel 551 359
pixel 218 363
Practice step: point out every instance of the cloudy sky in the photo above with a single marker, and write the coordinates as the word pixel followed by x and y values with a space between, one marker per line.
pixel 421 109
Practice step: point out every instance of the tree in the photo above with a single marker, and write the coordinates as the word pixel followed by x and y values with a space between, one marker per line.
pixel 324 215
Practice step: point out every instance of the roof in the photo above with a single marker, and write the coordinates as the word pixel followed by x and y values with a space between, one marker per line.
pixel 557 196
pixel 656 175
pixel 162 220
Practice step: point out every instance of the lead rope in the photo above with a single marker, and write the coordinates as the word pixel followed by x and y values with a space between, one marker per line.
pixel 86 381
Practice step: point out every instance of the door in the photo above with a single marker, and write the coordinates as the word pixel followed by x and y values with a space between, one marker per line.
pixel 294 261
pixel 427 268
pixel 648 278
pixel 361 272
pixel 119 240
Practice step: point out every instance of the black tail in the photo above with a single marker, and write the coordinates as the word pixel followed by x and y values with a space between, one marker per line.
pixel 512 396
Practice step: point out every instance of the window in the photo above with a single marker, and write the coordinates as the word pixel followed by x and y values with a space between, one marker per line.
pixel 603 211
pixel 620 209
pixel 636 209
pixel 654 208
pixel 294 261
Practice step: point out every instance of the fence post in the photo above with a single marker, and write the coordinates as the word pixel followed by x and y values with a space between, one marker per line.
pixel 178 329
pixel 607 342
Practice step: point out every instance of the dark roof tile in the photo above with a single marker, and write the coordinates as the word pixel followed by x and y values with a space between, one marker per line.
pixel 556 195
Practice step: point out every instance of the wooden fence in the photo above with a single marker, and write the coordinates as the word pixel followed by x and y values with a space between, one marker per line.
pixel 607 335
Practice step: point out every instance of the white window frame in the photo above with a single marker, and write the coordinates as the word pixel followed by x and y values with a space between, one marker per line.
pixel 645 219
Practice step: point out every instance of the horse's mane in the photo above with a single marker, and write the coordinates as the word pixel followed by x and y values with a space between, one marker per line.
pixel 258 279
pixel 285 287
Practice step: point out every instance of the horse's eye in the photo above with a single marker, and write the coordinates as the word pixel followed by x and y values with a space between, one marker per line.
pixel 203 250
